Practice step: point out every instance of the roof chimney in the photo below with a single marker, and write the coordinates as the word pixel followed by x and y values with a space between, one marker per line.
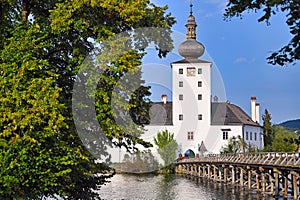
pixel 257 117
pixel 253 108
pixel 164 98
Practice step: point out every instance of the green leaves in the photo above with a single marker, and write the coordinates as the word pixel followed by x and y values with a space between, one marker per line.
pixel 236 144
pixel 43 45
pixel 282 140
pixel 268 131
pixel 31 114
pixel 139 162
pixel 290 53
pixel 277 138
pixel 167 146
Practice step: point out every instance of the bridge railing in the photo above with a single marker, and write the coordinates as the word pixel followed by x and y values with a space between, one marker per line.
pixel 263 158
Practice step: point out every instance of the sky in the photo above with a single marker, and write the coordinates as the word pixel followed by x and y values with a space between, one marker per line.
pixel 238 48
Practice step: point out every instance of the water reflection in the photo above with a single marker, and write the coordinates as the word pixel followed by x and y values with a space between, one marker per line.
pixel 223 191
pixel 170 187
pixel 165 187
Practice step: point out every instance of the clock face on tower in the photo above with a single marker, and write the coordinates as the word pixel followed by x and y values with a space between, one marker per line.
pixel 191 71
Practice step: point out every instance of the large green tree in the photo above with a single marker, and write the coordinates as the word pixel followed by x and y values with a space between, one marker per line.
pixel 282 140
pixel 290 52
pixel 167 146
pixel 42 46
pixel 268 130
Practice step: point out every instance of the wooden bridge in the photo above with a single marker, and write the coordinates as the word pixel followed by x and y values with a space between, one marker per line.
pixel 276 174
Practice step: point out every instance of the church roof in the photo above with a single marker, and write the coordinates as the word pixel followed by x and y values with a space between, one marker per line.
pixel 161 114
pixel 221 114
pixel 229 114
pixel 192 61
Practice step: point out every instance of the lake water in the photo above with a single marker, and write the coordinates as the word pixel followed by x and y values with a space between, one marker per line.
pixel 171 187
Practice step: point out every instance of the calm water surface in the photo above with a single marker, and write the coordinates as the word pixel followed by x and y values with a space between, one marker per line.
pixel 170 187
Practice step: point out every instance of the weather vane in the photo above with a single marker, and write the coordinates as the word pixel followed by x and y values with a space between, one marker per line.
pixel 191 7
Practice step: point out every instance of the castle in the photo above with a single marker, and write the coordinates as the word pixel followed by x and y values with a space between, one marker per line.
pixel 199 122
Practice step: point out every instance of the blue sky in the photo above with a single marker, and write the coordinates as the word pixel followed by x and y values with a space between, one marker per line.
pixel 239 49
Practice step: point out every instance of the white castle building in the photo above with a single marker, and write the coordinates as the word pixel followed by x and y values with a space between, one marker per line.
pixel 199 122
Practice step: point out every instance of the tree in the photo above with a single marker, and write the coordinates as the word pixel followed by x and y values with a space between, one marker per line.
pixel 42 46
pixel 289 53
pixel 282 140
pixel 129 106
pixel 167 146
pixel 139 162
pixel 268 131
pixel 236 144
pixel 294 140
pixel 39 157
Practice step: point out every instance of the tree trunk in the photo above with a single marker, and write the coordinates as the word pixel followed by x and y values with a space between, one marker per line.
pixel 25 10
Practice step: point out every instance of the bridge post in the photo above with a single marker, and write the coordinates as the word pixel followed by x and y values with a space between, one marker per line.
pixel 285 185
pixel 257 182
pixel 276 175
pixel 225 174
pixel 233 175
pixel 295 176
pixel 263 182
pixel 184 169
pixel 199 170
pixel 272 187
pixel 215 172
pixel 241 177
pixel 249 178
pixel 220 173
pixel 178 168
pixel 195 170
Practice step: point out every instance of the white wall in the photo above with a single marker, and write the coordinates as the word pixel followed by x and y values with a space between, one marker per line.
pixel 214 140
pixel 190 107
pixel 251 140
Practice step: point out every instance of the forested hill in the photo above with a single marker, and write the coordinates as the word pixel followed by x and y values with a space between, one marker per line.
pixel 291 124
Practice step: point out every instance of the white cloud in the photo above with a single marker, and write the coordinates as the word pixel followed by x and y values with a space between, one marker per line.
pixel 217 2
pixel 208 15
pixel 252 60
pixel 244 60
pixel 214 8
pixel 240 60
pixel 221 4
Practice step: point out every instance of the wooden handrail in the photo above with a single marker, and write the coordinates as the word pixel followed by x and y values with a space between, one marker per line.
pixel 264 158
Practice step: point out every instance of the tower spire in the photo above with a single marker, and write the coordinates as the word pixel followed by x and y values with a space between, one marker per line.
pixel 191 24
pixel 191 48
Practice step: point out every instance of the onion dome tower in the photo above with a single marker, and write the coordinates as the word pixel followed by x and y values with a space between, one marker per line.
pixel 191 49
pixel 191 92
